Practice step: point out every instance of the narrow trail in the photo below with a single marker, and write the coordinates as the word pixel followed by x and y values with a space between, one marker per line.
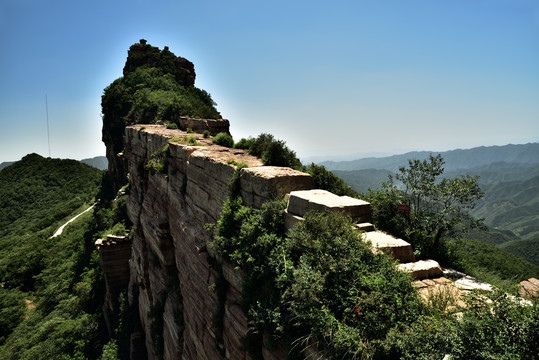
pixel 59 231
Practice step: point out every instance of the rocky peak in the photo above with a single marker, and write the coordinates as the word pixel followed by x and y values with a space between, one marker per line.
pixel 142 54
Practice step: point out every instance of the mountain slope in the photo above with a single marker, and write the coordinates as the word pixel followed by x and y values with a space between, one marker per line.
pixel 49 287
pixel 512 205
pixel 36 191
pixel 527 248
pixel 99 162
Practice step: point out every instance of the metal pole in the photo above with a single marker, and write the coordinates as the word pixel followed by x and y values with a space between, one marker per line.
pixel 48 133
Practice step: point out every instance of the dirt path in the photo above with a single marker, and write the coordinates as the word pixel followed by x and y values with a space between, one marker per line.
pixel 59 231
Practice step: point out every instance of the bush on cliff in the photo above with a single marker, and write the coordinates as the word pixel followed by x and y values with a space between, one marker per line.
pixel 319 285
pixel 223 139
pixel 147 95
pixel 273 152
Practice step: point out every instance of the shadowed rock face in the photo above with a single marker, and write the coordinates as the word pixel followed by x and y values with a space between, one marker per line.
pixel 171 278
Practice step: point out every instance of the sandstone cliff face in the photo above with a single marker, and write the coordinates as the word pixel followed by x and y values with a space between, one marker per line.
pixel 171 279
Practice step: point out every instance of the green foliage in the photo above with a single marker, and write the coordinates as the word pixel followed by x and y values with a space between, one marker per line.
pixel 237 164
pixel 223 139
pixel 206 134
pixel 172 126
pixel 186 139
pixel 494 326
pixel 438 208
pixel 325 179
pixel 65 319
pixel 36 192
pixel 272 152
pixel 190 140
pixel 159 160
pixel 12 311
pixel 512 205
pixel 527 249
pixel 110 351
pixel 149 94
pixel 491 264
pixel 320 285
pixel 189 131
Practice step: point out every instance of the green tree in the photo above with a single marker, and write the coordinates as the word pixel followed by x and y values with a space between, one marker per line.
pixel 438 207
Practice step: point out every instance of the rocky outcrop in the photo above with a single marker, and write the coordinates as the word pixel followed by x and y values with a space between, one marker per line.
pixel 171 275
pixel 114 255
pixel 117 103
pixel 144 54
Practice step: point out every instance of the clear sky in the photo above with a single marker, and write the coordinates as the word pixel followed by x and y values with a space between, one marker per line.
pixel 331 78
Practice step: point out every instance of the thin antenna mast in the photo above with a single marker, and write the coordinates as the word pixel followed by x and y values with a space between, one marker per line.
pixel 48 134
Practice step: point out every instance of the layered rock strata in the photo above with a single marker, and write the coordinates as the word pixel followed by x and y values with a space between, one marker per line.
pixel 172 277
pixel 176 190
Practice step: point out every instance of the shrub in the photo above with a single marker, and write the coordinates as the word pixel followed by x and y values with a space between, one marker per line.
pixel 244 144
pixel 319 285
pixel 189 131
pixel 206 134
pixel 159 160
pixel 223 139
pixel 325 179
pixel 272 152
pixel 190 140
pixel 172 126
pixel 237 164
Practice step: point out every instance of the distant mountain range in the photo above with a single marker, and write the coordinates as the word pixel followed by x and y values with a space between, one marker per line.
pixel 454 160
pixel 5 164
pixel 99 162
pixel 509 176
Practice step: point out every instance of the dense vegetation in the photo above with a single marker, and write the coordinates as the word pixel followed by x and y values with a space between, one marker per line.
pixel 153 91
pixel 508 176
pixel 435 208
pixel 60 276
pixel 319 288
pixel 37 191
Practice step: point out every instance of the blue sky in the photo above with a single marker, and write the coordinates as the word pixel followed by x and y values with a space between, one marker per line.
pixel 330 78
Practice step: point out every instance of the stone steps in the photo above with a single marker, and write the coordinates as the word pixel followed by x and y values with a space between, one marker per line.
pixel 398 249
pixel 423 269
pixel 302 201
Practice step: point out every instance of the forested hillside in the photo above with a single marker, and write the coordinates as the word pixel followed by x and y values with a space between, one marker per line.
pixel 48 286
pixel 37 191
pixel 508 175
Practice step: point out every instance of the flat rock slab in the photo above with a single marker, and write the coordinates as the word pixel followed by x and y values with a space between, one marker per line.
pixel 300 202
pixel 258 184
pixel 397 248
pixel 423 269
pixel 470 283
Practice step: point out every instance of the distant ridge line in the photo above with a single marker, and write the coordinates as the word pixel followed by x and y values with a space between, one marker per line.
pixel 455 159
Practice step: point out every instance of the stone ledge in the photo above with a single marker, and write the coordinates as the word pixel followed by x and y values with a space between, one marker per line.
pixel 259 184
pixel 300 202
pixel 422 269
pixel 397 248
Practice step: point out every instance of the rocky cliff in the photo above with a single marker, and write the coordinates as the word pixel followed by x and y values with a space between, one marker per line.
pixel 184 301
pixel 171 276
